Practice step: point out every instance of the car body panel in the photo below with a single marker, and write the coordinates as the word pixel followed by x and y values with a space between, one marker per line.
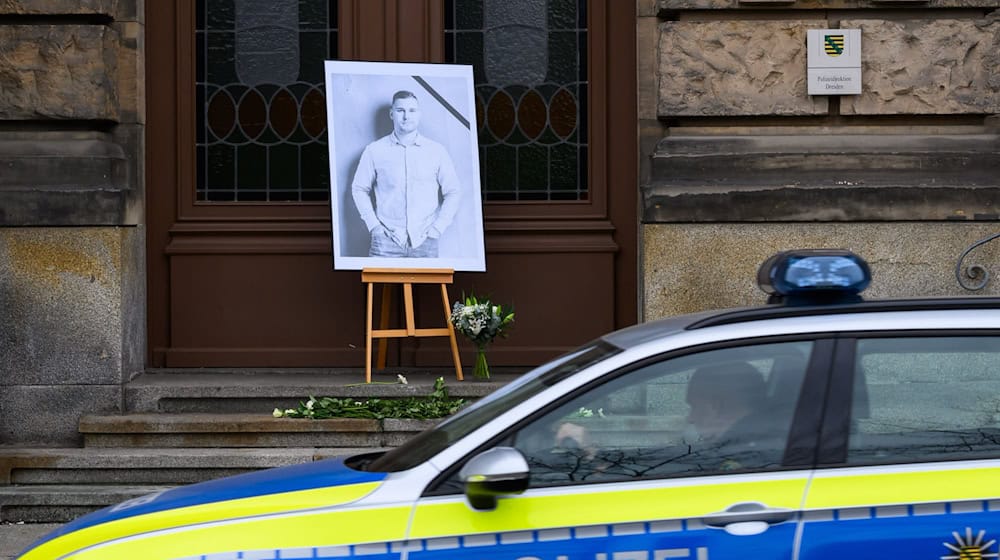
pixel 328 510
pixel 911 510
pixel 609 503
pixel 885 485
pixel 294 534
pixel 661 517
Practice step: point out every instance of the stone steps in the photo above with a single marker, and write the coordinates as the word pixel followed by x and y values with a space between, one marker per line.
pixel 15 537
pixel 58 485
pixel 260 391
pixel 243 431
pixel 187 426
pixel 61 503
pixel 30 466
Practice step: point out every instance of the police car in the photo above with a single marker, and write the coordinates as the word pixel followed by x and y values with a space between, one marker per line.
pixel 819 426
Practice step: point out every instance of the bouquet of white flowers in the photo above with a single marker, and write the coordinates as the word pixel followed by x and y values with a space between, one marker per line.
pixel 481 321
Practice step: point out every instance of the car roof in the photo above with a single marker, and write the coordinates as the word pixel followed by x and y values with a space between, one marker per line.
pixel 660 328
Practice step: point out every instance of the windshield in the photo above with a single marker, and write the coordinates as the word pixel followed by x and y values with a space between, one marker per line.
pixel 431 442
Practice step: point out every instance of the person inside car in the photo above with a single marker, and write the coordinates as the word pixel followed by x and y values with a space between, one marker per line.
pixel 730 426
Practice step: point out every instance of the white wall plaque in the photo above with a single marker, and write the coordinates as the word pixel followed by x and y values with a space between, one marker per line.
pixel 834 61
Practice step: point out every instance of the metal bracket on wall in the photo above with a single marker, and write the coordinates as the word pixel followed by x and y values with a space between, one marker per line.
pixel 974 272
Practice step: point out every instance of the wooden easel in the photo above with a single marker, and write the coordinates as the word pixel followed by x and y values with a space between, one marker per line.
pixel 407 277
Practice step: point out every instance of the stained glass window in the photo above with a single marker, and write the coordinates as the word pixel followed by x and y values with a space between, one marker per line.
pixel 529 59
pixel 261 130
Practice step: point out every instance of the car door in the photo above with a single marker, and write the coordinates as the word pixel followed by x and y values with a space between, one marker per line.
pixel 616 472
pixel 918 473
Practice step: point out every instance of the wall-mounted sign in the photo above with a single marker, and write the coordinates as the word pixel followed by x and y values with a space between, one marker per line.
pixel 834 61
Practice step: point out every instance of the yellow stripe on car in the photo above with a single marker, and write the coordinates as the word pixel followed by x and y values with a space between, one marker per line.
pixel 870 487
pixel 193 515
pixel 327 528
pixel 577 506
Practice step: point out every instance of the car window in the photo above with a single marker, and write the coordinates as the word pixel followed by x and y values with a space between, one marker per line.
pixel 431 442
pixel 925 399
pixel 715 411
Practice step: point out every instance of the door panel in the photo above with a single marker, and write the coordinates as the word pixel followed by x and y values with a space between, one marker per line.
pixel 235 314
pixel 683 457
pixel 918 472
pixel 926 511
pixel 654 520
pixel 252 284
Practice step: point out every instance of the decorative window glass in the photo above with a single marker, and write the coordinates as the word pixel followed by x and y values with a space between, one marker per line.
pixel 530 66
pixel 261 129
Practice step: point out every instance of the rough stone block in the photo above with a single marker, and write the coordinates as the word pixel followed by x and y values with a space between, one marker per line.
pixel 60 7
pixel 60 300
pixel 59 72
pixel 667 6
pixel 131 77
pixel 647 7
pixel 647 31
pixel 734 68
pixel 907 259
pixel 939 66
pixel 48 414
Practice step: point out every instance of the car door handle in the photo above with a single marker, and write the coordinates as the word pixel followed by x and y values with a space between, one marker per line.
pixel 747 511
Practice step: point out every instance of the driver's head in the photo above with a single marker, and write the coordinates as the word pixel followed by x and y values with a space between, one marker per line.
pixel 721 395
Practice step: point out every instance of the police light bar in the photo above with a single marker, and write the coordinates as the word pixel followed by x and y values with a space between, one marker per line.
pixel 814 274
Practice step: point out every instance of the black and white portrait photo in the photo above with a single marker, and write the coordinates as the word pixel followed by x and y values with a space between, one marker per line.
pixel 404 166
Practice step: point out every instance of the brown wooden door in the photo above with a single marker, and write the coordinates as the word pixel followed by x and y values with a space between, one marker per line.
pixel 251 284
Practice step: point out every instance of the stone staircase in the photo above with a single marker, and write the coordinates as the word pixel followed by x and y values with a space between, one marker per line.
pixel 187 426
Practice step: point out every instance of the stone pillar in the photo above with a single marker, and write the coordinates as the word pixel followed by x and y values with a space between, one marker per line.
pixel 72 272
pixel 739 162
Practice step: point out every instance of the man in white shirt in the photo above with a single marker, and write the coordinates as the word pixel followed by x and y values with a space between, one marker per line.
pixel 405 188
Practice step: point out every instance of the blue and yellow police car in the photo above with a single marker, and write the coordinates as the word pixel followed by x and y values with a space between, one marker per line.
pixel 818 426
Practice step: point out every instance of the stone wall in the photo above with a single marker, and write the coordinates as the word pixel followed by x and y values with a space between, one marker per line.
pixel 691 267
pixel 739 162
pixel 72 272
pixel 942 66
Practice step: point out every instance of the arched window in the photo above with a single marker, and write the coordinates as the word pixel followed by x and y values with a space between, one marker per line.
pixel 530 64
pixel 261 129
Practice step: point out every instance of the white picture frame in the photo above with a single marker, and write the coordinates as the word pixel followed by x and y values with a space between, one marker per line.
pixel 359 98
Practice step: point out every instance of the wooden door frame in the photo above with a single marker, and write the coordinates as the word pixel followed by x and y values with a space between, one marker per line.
pixel 607 221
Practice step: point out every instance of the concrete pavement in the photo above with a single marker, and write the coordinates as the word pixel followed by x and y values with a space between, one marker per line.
pixel 16 537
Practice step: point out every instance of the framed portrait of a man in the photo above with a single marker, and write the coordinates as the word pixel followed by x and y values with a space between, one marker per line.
pixel 404 166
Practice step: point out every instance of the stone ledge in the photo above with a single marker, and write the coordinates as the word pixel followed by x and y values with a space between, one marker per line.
pixel 218 423
pixel 249 390
pixel 63 178
pixel 810 204
pixel 63 503
pixel 244 430
pixel 836 177
pixel 138 466
pixel 76 207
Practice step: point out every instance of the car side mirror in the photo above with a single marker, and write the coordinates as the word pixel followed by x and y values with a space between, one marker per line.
pixel 501 471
